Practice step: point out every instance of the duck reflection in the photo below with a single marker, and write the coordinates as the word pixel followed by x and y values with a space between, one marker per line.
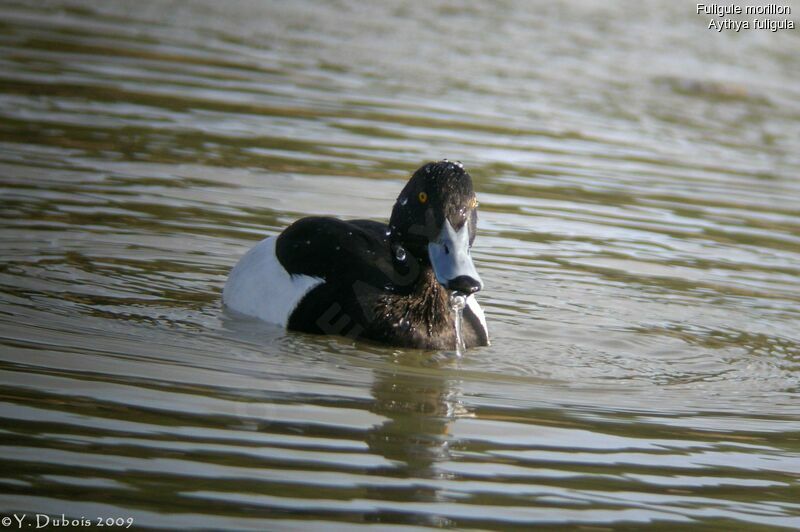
pixel 420 403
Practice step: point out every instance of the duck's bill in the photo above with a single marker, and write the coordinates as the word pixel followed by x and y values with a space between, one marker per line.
pixel 452 262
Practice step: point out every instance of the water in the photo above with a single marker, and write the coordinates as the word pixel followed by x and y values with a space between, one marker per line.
pixel 639 241
pixel 457 303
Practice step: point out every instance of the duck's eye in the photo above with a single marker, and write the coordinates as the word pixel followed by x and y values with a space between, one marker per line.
pixel 423 197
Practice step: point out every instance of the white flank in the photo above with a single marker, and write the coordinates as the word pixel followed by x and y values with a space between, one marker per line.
pixel 259 286
pixel 476 309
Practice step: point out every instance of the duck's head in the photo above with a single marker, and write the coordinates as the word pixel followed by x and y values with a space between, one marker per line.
pixel 434 220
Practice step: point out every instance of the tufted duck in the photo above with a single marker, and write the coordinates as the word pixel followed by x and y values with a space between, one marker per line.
pixel 365 279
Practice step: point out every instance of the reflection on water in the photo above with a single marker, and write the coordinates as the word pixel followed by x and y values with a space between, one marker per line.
pixel 639 239
pixel 420 411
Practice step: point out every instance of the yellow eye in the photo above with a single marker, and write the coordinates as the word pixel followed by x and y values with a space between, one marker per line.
pixel 423 197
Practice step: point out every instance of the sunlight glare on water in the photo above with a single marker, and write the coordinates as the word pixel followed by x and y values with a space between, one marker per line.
pixel 639 242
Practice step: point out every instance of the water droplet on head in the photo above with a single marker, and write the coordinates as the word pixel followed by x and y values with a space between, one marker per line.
pixel 459 164
pixel 403 201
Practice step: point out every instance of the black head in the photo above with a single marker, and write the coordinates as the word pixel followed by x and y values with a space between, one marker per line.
pixel 435 219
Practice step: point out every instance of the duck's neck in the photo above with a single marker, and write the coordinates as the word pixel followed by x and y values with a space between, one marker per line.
pixel 432 298
pixel 425 307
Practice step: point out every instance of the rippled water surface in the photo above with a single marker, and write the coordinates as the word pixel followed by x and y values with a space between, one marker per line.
pixel 639 239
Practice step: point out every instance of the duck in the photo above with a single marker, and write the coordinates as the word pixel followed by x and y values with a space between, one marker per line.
pixel 368 280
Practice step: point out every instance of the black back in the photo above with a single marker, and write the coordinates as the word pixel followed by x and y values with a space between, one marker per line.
pixel 352 257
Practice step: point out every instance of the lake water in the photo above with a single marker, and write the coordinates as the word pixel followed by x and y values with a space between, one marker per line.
pixel 639 239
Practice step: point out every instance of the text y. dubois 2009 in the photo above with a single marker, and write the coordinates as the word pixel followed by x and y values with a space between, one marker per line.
pixel 45 521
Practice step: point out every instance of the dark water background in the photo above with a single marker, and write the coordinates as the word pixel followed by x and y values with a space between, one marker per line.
pixel 639 240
